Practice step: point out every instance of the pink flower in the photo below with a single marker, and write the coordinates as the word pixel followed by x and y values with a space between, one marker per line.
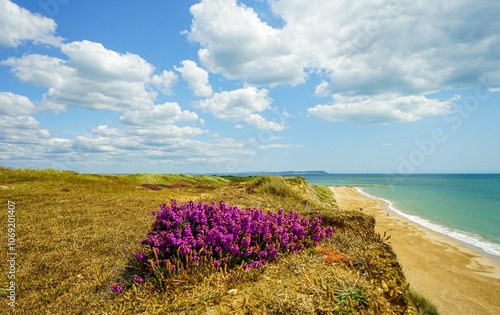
pixel 138 279
pixel 117 287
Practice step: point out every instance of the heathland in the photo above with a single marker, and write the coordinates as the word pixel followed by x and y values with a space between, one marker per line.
pixel 77 234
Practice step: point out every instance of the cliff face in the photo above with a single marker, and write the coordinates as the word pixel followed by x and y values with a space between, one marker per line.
pixel 356 272
pixel 373 261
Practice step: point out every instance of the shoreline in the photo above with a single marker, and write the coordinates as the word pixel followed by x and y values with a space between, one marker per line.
pixel 457 278
pixel 435 227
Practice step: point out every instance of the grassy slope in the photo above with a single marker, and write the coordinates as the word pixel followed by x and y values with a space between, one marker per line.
pixel 76 234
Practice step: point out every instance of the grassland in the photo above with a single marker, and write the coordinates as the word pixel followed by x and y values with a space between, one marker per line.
pixel 76 234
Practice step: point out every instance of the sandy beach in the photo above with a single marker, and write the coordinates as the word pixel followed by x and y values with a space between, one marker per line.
pixel 455 277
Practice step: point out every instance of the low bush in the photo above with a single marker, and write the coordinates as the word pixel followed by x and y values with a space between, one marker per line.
pixel 193 235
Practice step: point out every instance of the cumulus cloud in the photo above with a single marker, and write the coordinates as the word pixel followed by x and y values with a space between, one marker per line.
pixel 105 131
pixel 98 78
pixel 242 105
pixel 239 45
pixel 24 141
pixel 367 49
pixel 164 114
pixel 165 81
pixel 19 25
pixel 89 75
pixel 95 61
pixel 40 70
pixel 150 134
pixel 92 77
pixel 22 130
pixel 381 109
pixel 157 124
pixel 385 47
pixel 196 77
pixel 15 105
pixel 417 54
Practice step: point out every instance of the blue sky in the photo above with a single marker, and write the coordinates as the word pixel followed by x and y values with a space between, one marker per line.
pixel 234 86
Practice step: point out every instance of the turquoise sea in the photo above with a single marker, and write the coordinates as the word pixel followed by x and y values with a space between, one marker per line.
pixel 463 206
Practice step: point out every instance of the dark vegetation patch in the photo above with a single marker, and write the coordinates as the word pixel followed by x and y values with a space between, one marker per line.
pixel 150 186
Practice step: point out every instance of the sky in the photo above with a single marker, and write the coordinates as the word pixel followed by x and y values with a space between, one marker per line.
pixel 226 86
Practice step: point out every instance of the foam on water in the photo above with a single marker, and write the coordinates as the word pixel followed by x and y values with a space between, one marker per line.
pixel 462 236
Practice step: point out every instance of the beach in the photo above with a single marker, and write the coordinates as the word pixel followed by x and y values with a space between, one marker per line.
pixel 455 277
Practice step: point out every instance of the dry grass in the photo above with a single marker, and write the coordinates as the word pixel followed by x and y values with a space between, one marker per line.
pixel 77 233
pixel 424 306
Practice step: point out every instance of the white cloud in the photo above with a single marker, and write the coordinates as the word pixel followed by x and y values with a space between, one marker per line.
pixel 57 145
pixel 95 61
pixel 148 135
pixel 167 113
pixel 381 109
pixel 370 48
pixel 22 130
pixel 92 145
pixel 93 77
pixel 386 47
pixel 41 70
pixel 262 123
pixel 162 133
pixel 242 105
pixel 19 25
pixel 165 81
pixel 105 130
pixel 238 45
pixel 101 79
pixel 152 127
pixel 279 146
pixel 25 142
pixel 98 78
pixel 196 77
pixel 15 105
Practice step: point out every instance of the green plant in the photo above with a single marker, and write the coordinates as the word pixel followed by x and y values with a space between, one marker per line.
pixel 349 298
pixel 423 305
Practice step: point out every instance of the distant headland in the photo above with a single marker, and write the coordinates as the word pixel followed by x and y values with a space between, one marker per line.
pixel 297 173
pixel 284 173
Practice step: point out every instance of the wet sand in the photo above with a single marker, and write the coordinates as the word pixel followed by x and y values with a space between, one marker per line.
pixel 455 277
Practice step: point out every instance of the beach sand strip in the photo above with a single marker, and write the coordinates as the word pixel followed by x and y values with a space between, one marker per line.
pixel 455 277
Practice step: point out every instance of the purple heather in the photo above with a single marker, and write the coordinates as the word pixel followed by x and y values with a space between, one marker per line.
pixel 232 235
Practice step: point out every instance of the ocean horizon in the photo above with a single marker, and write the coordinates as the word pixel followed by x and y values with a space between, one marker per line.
pixel 465 207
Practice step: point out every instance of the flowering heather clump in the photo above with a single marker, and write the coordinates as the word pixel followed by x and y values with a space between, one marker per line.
pixel 222 234
pixel 117 288
pixel 138 279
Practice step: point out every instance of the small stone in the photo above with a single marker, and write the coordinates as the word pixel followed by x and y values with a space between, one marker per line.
pixel 232 291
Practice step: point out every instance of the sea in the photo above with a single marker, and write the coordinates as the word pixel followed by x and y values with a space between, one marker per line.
pixel 465 207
